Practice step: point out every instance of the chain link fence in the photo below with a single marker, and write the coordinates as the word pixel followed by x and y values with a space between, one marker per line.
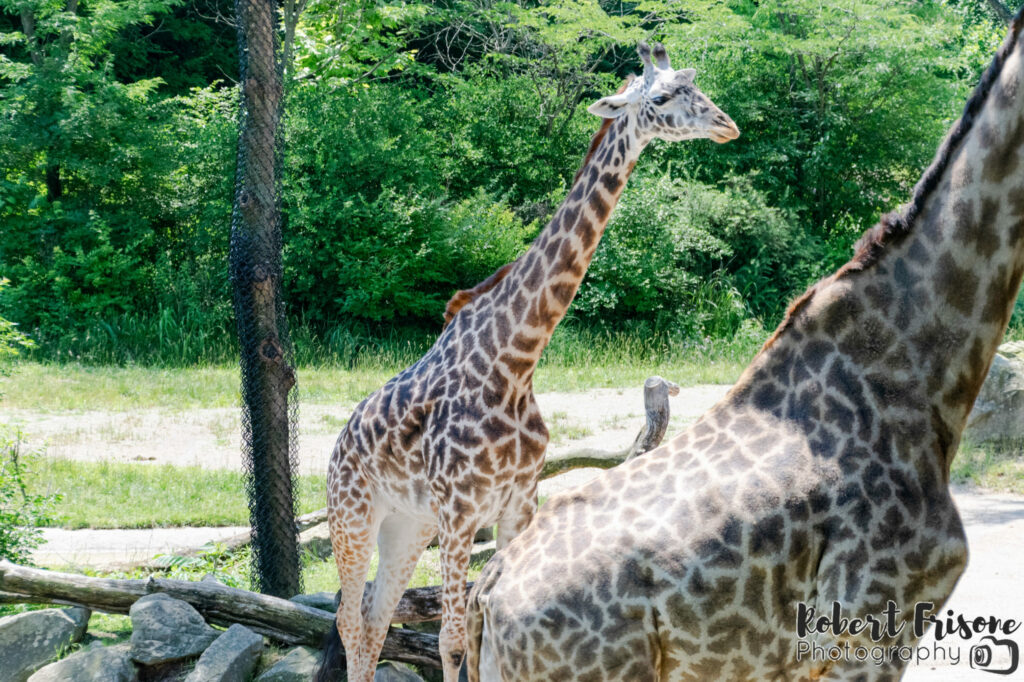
pixel 269 418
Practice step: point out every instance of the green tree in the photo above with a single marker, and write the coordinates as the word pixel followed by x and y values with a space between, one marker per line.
pixel 841 104
pixel 79 183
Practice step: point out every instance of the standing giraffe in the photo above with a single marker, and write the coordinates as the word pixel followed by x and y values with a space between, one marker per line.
pixel 456 441
pixel 821 478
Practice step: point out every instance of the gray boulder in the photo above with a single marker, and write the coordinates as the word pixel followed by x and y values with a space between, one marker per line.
pixel 297 666
pixel 165 629
pixel 998 413
pixel 28 641
pixel 231 658
pixel 392 672
pixel 318 600
pixel 95 664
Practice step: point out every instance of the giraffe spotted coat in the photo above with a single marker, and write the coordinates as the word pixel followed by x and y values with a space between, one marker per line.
pixel 456 442
pixel 821 477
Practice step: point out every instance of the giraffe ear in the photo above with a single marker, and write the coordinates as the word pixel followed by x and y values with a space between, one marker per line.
pixel 612 106
pixel 687 74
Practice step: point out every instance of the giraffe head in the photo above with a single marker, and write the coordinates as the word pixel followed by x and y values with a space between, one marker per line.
pixel 666 104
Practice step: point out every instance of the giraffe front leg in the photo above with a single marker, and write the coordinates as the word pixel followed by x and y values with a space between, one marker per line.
pixel 456 543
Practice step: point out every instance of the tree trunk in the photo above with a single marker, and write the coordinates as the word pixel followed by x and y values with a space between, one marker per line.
pixel 54 187
pixel 999 9
pixel 267 377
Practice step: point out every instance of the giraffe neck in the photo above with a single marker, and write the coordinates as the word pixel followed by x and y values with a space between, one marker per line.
pixel 905 333
pixel 535 295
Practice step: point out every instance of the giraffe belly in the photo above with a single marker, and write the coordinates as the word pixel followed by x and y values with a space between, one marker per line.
pixel 411 498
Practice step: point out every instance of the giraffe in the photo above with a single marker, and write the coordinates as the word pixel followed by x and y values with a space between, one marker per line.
pixel 456 442
pixel 820 481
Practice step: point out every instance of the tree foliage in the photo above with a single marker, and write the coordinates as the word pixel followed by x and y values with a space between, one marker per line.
pixel 428 141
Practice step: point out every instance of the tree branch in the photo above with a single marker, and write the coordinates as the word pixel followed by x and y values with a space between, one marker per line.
pixel 999 9
pixel 279 619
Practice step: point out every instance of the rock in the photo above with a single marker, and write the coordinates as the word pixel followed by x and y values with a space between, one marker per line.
pixel 998 413
pixel 316 541
pixel 165 629
pixel 392 672
pixel 231 658
pixel 28 641
pixel 297 666
pixel 96 664
pixel 318 600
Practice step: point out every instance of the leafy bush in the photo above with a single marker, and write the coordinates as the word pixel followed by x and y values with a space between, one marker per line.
pixel 12 340
pixel 111 273
pixel 426 142
pixel 371 233
pixel 680 255
pixel 22 512
pixel 498 137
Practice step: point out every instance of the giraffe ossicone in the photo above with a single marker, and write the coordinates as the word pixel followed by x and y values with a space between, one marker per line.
pixel 822 477
pixel 456 442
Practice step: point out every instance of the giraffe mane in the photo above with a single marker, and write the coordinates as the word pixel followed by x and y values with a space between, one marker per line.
pixel 463 297
pixel 460 299
pixel 894 227
pixel 601 132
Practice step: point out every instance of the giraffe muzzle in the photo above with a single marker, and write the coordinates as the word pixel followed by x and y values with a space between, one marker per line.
pixel 725 133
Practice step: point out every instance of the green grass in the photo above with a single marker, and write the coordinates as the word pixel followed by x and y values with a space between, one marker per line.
pixel 988 466
pixel 75 387
pixel 561 428
pixel 322 575
pixel 125 495
pixel 575 361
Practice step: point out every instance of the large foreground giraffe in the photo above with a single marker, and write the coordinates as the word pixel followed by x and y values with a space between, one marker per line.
pixel 821 478
pixel 456 442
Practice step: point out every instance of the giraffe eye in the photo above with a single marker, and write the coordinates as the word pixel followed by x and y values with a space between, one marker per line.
pixel 659 100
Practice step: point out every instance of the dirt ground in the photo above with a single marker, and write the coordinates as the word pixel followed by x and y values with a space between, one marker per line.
pixel 608 419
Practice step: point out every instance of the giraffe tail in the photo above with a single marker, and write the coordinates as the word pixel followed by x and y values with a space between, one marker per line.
pixel 331 667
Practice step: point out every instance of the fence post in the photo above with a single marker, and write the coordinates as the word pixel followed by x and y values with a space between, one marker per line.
pixel 268 423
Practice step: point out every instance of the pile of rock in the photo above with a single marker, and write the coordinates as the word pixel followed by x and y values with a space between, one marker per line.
pixel 998 414
pixel 168 635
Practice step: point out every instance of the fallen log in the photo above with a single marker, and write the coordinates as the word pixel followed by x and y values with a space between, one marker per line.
pixel 417 605
pixel 657 409
pixel 278 619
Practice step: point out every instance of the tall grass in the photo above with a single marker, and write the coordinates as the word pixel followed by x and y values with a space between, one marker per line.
pixel 170 340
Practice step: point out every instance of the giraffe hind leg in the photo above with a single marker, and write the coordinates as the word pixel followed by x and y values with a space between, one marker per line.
pixel 517 515
pixel 400 544
pixel 353 521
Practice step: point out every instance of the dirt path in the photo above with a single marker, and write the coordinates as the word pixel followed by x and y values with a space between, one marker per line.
pixel 99 548
pixel 603 418
pixel 991 585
